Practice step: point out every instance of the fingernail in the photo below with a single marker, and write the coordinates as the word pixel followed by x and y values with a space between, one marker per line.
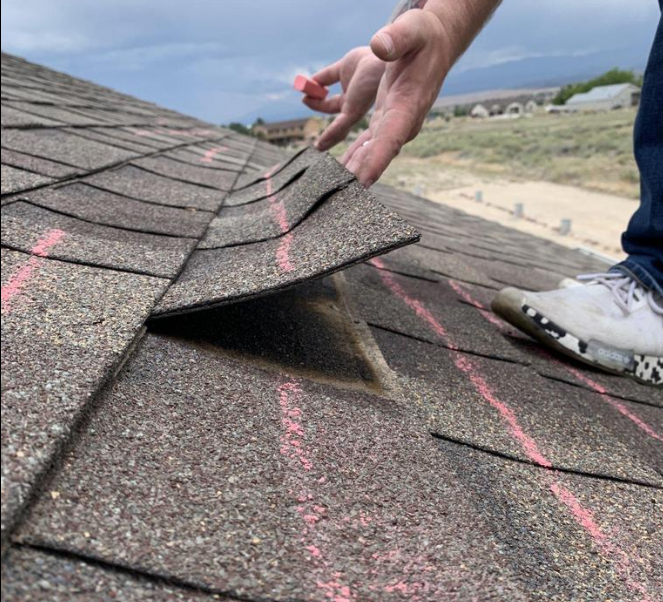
pixel 387 42
pixel 369 183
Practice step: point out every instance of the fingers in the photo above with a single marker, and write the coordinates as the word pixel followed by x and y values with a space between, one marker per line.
pixel 329 75
pixel 363 137
pixel 325 105
pixel 407 34
pixel 371 159
pixel 336 131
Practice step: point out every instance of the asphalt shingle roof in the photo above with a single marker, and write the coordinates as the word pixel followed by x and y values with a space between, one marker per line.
pixel 373 434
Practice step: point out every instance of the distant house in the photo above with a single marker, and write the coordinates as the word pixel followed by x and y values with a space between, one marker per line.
pixel 294 131
pixel 531 106
pixel 514 108
pixel 605 98
pixel 496 109
pixel 479 112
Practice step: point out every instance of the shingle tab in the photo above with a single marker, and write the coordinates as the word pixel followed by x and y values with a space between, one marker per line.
pixel 110 209
pixel 566 424
pixel 219 179
pixel 314 492
pixel 146 186
pixel 32 576
pixel 64 328
pixel 348 227
pixel 280 212
pixel 16 180
pixel 38 165
pixel 66 148
pixel 94 244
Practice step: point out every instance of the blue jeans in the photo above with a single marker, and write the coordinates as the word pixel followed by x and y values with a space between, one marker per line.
pixel 643 239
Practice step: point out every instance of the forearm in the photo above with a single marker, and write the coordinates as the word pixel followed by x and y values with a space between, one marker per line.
pixel 461 20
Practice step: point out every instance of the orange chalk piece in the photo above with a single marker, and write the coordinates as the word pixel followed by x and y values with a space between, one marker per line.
pixel 310 87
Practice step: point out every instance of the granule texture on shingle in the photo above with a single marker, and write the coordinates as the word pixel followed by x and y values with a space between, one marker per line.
pixel 104 246
pixel 348 227
pixel 147 186
pixel 315 490
pixel 14 117
pixel 64 147
pixel 569 428
pixel 16 180
pixel 280 212
pixel 104 207
pixel 218 179
pixel 36 164
pixel 272 183
pixel 64 329
pixel 34 576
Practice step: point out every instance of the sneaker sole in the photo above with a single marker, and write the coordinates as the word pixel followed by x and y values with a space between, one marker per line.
pixel 509 305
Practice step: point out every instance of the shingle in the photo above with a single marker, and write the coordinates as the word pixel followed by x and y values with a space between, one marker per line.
pixel 470 331
pixel 251 178
pixel 55 114
pixel 567 537
pixel 15 180
pixel 482 409
pixel 348 227
pixel 13 117
pixel 37 164
pixel 146 186
pixel 210 156
pixel 93 244
pixel 219 179
pixel 107 208
pixel 32 576
pixel 419 261
pixel 279 213
pixel 66 148
pixel 64 328
pixel 265 187
pixel 315 491
pixel 105 135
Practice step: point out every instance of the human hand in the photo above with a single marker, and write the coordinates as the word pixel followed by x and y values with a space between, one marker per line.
pixel 419 56
pixel 359 72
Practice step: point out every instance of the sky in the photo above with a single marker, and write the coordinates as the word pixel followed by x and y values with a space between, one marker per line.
pixel 232 60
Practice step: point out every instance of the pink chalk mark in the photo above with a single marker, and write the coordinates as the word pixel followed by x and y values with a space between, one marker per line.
pixel 314 550
pixel 17 282
pixel 617 405
pixel 582 515
pixel 280 216
pixel 211 153
pixel 614 403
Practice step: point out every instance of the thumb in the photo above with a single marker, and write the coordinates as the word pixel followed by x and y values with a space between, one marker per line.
pixel 407 34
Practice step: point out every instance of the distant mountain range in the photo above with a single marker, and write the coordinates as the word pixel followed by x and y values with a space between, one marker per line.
pixel 536 72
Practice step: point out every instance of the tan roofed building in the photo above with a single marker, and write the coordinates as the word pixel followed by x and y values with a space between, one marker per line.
pixel 293 131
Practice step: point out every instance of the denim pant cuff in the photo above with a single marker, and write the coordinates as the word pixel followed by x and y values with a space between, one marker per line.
pixel 631 267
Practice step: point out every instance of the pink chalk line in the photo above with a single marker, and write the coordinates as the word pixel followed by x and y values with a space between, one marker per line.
pixel 280 216
pixel 614 403
pixel 211 153
pixel 293 448
pixel 582 515
pixel 18 281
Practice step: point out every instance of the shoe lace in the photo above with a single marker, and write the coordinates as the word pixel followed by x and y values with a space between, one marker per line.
pixel 625 290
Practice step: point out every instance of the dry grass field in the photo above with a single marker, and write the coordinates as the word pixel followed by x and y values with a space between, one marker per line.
pixel 576 166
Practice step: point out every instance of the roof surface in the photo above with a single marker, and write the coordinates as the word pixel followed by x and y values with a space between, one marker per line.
pixel 600 93
pixel 197 404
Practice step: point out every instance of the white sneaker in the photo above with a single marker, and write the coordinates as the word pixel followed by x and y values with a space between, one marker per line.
pixel 611 322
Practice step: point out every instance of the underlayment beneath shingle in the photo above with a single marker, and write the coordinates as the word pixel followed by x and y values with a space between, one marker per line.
pixel 64 328
pixel 348 227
